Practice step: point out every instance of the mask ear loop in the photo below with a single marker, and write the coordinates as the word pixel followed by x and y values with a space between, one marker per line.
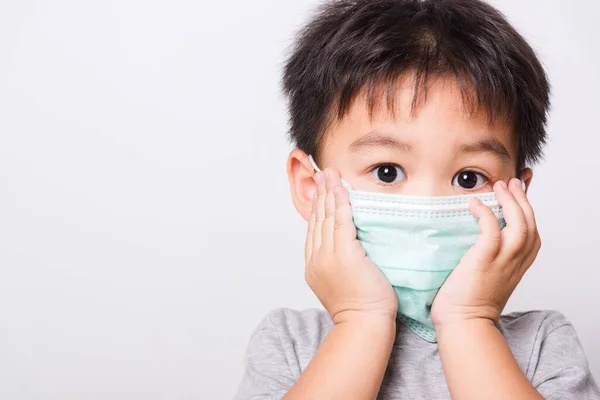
pixel 317 169
pixel 313 163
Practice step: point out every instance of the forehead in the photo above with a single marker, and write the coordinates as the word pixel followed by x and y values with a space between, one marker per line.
pixel 443 114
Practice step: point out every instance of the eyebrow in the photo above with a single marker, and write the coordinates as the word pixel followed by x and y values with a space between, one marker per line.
pixel 377 140
pixel 488 145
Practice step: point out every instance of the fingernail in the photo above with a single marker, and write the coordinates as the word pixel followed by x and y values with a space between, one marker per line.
pixel 502 184
pixel 516 183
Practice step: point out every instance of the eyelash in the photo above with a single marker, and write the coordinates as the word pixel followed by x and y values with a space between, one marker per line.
pixel 374 167
pixel 487 178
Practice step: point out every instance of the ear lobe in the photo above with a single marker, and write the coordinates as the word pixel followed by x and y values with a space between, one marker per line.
pixel 526 176
pixel 302 184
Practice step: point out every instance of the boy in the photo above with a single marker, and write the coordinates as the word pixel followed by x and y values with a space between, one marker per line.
pixel 432 112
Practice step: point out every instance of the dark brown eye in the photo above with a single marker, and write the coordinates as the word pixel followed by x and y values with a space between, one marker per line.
pixel 469 180
pixel 389 173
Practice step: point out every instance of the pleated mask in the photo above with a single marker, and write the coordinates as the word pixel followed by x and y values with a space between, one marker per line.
pixel 416 242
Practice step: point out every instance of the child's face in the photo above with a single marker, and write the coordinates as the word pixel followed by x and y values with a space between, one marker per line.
pixel 440 150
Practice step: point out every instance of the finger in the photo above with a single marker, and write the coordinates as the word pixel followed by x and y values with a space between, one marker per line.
pixel 329 222
pixel 334 180
pixel 344 229
pixel 520 196
pixel 488 243
pixel 515 233
pixel 532 255
pixel 319 211
pixel 310 230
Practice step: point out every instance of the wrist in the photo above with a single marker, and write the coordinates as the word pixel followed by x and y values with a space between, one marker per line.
pixel 464 327
pixel 364 318
pixel 453 316
pixel 377 327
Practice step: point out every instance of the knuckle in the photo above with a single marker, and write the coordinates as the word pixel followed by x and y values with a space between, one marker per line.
pixel 496 235
pixel 346 257
pixel 521 229
pixel 484 262
pixel 534 231
pixel 516 244
pixel 533 234
pixel 523 232
pixel 496 238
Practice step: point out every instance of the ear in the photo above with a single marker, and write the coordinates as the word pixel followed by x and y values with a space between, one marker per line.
pixel 526 176
pixel 302 184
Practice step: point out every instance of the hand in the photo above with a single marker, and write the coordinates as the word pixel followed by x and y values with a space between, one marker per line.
pixel 338 270
pixel 490 271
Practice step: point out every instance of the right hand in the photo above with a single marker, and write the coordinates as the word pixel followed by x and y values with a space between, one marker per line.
pixel 338 270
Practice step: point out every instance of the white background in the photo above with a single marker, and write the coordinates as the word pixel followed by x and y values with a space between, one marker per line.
pixel 145 220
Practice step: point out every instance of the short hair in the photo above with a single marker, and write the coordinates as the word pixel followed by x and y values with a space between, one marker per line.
pixel 363 46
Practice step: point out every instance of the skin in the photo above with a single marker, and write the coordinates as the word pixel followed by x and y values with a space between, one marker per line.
pixel 427 149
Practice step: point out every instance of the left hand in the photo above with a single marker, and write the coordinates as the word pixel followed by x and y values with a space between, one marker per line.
pixel 489 272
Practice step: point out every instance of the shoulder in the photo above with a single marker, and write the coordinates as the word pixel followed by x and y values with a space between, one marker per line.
pixel 305 328
pixel 539 322
pixel 533 334
pixel 548 350
pixel 524 330
pixel 279 350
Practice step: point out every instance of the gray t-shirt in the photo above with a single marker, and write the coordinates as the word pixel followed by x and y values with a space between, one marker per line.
pixel 544 344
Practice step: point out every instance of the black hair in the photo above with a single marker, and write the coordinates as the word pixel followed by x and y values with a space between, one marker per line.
pixel 351 46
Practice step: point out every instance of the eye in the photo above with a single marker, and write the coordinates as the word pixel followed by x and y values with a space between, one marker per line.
pixel 389 173
pixel 469 180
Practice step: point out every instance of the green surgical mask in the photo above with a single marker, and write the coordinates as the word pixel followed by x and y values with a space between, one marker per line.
pixel 416 242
